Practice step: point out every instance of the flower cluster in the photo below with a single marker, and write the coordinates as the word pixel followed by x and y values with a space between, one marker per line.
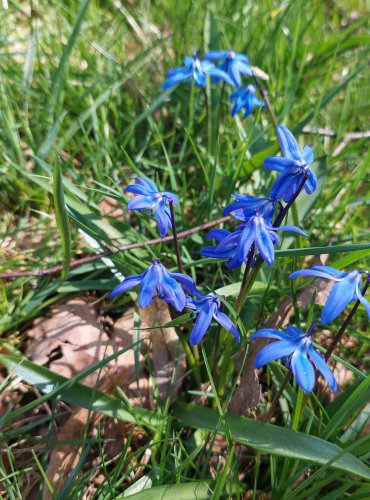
pixel 156 280
pixel 255 237
pixel 232 65
pixel 257 233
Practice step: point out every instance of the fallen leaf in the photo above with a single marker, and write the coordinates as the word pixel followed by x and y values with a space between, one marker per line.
pixel 167 352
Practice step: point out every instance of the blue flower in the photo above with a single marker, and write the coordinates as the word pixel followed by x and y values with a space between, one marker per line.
pixel 257 234
pixel 298 346
pixel 233 63
pixel 346 290
pixel 195 70
pixel 150 198
pixel 245 98
pixel 205 309
pixel 246 206
pixel 293 166
pixel 157 279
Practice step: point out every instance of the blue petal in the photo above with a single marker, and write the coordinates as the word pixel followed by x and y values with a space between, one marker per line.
pixel 174 80
pixel 280 186
pixel 362 299
pixel 217 234
pixel 307 154
pixel 180 71
pixel 147 183
pixel 239 56
pixel 149 285
pixel 319 361
pixel 127 283
pixel 231 239
pixel 187 282
pixel 288 143
pixel 313 272
pixel 140 202
pixel 293 186
pixel 163 218
pixel 294 332
pixel 220 74
pixel 137 189
pixel 269 333
pixel 281 164
pixel 292 229
pixel 226 322
pixel 234 73
pixel 243 68
pixel 213 253
pixel 188 61
pixel 341 294
pixel 215 55
pixel 264 243
pixel 246 241
pixel 172 291
pixel 273 351
pixel 331 271
pixel 311 182
pixel 201 325
pixel 303 371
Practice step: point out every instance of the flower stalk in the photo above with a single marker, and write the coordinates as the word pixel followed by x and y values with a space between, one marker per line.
pixel 175 238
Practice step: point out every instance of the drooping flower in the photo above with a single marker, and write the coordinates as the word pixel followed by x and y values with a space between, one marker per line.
pixel 157 279
pixel 149 198
pixel 296 345
pixel 245 99
pixel 246 206
pixel 206 308
pixel 346 290
pixel 195 70
pixel 233 63
pixel 257 234
pixel 293 167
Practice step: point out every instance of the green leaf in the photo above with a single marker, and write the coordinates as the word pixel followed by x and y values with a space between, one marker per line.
pixel 59 77
pixel 187 491
pixel 299 252
pixel 61 216
pixel 271 438
pixel 72 392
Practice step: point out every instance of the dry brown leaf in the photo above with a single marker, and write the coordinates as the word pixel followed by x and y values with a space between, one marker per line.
pixel 53 333
pixel 64 458
pixel 248 392
pixel 166 348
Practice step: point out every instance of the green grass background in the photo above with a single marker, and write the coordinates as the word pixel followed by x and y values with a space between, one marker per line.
pixel 80 94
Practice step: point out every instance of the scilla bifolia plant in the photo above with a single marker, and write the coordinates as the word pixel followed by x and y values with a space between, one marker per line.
pixel 250 244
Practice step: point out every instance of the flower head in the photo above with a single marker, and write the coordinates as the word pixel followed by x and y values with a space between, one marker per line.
pixel 245 98
pixel 195 70
pixel 149 198
pixel 296 345
pixel 233 63
pixel 293 166
pixel 157 279
pixel 346 290
pixel 257 235
pixel 206 308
